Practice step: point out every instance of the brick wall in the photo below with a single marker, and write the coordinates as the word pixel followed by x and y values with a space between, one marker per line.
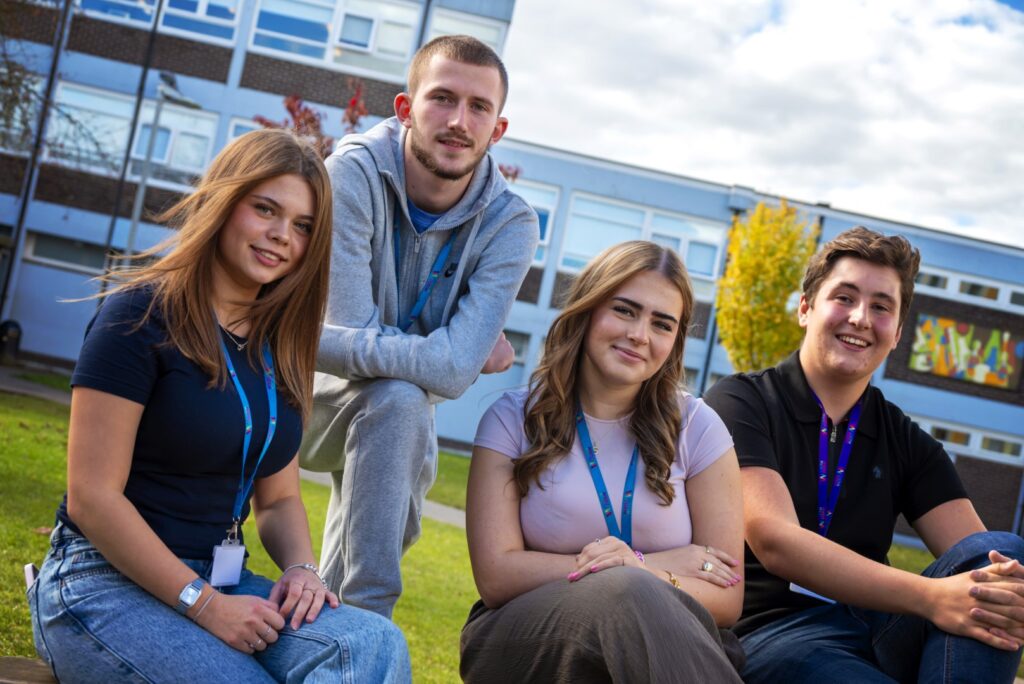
pixel 29 22
pixel 530 289
pixel 897 367
pixel 12 173
pixel 315 84
pixel 127 44
pixel 90 192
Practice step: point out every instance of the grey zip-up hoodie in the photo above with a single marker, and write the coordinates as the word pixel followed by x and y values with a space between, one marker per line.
pixel 446 347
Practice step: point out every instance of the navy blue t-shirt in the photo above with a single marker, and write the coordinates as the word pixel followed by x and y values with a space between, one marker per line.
pixel 187 460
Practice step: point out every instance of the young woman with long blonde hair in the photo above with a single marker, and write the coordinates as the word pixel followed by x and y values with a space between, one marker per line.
pixel 188 398
pixel 603 512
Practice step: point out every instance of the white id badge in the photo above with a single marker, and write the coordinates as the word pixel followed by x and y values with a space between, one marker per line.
pixel 796 588
pixel 228 557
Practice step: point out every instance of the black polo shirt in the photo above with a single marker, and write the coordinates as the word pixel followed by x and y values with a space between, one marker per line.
pixel 894 467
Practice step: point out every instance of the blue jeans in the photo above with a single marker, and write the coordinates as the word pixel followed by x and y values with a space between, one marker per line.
pixel 93 624
pixel 840 643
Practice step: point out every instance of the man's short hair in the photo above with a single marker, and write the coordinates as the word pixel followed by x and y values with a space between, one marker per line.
pixel 465 49
pixel 893 251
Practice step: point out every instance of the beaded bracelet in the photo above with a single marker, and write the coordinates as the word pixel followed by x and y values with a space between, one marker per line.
pixel 640 554
pixel 308 566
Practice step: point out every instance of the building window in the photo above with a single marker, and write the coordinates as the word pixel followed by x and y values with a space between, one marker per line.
pixel 1017 298
pixel 932 280
pixel 91 130
pixel 132 10
pixel 240 127
pixel 299 27
pixel 446 22
pixel 595 224
pixel 951 436
pixel 1001 446
pixel 979 290
pixel 212 18
pixel 369 37
pixel 182 147
pixel 520 344
pixel 64 253
pixel 89 127
pixel 544 200
pixel 377 35
pixel 204 19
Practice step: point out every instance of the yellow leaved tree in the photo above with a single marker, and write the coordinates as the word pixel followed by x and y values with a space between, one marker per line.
pixel 767 254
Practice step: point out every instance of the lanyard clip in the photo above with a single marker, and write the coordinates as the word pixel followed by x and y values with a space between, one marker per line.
pixel 233 532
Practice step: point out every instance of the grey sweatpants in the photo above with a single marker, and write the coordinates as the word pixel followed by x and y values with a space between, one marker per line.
pixel 377 439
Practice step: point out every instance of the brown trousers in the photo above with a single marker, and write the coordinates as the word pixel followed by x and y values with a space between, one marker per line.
pixel 618 625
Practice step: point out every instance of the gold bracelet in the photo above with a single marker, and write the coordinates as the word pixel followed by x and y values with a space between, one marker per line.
pixel 673 580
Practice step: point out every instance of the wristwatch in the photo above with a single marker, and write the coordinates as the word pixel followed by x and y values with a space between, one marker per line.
pixel 190 594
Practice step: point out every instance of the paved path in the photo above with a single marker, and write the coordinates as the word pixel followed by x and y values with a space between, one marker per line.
pixel 11 383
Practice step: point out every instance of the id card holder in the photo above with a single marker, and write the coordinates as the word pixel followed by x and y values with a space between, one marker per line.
pixel 228 558
pixel 797 589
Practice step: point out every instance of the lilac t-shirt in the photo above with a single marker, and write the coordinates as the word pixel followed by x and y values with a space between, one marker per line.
pixel 565 515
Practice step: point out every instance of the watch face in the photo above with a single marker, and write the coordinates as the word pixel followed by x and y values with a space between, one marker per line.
pixel 190 594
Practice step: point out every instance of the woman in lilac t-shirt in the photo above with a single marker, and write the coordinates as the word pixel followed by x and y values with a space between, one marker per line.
pixel 603 512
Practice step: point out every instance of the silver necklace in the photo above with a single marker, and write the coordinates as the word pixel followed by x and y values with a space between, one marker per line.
pixel 238 345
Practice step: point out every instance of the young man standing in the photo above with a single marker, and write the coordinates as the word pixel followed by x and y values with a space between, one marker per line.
pixel 430 247
pixel 827 465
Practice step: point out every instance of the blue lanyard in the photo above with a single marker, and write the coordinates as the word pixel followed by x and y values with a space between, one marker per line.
pixel 245 487
pixel 602 491
pixel 435 273
pixel 827 499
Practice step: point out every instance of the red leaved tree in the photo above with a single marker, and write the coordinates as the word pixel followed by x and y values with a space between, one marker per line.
pixel 307 122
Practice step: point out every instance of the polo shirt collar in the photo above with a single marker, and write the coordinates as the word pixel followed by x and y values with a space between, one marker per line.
pixel 797 393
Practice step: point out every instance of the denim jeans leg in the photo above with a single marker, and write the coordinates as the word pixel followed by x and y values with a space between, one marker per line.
pixel 96 625
pixel 816 646
pixel 344 644
pixel 912 649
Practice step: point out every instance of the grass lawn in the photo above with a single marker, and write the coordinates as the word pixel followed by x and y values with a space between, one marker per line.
pixel 439 587
pixel 54 380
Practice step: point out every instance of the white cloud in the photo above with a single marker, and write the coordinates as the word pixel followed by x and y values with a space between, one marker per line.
pixel 912 110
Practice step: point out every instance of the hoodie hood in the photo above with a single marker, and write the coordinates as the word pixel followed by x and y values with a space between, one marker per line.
pixel 385 143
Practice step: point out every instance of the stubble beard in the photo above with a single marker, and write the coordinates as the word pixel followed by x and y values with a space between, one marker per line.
pixel 430 163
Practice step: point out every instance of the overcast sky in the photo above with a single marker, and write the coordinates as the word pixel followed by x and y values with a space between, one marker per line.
pixel 911 110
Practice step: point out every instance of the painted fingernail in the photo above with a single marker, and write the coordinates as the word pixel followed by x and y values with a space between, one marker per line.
pixel 973 591
pixel 572 576
pixel 593 568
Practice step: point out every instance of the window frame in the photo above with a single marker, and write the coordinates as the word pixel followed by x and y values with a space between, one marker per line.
pixel 174 30
pixel 31 257
pixel 976 436
pixel 647 229
pixel 545 240
pixel 339 10
pixel 503 26
pixel 954 281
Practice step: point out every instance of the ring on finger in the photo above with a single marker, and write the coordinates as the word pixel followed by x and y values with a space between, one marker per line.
pixel 258 642
pixel 706 566
pixel 250 645
pixel 597 541
pixel 267 632
pixel 708 549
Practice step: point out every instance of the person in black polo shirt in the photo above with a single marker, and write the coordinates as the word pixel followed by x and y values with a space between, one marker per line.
pixel 828 465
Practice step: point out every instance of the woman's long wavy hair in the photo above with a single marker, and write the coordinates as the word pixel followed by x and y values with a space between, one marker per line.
pixel 287 313
pixel 550 422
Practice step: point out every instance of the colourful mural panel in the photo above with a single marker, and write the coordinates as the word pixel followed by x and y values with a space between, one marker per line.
pixel 965 351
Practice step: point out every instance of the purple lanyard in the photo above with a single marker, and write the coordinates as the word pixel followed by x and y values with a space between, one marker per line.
pixel 827 499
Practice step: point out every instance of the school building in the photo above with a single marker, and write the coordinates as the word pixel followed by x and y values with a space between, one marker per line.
pixel 957 369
